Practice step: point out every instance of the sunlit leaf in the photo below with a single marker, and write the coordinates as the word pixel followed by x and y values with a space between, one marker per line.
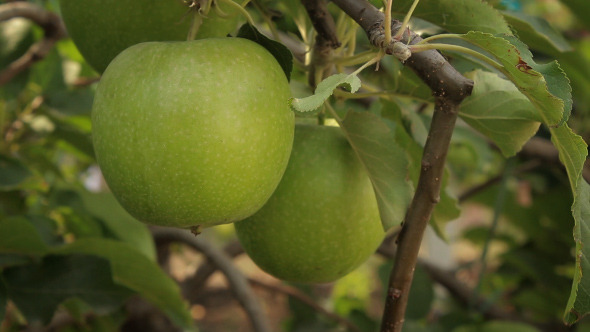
pixel 324 90
pixel 572 153
pixel 126 228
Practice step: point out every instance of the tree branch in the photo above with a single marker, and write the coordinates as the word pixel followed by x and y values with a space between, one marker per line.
pixel 52 26
pixel 325 41
pixel 238 282
pixel 449 88
pixel 192 286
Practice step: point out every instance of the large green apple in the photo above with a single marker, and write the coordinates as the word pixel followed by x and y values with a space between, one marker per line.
pixel 322 221
pixel 101 29
pixel 193 133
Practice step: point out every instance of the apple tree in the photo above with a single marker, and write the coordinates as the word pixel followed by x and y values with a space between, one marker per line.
pixel 388 165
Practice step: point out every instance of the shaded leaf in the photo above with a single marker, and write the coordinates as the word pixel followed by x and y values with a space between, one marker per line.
pixel 278 50
pixel 71 102
pixel 385 161
pixel 545 85
pixel 498 326
pixel 132 269
pixel 580 8
pixel 447 208
pixel 3 300
pixel 12 173
pixel 16 36
pixel 458 16
pixel 537 33
pixel 498 110
pixel 324 90
pixel 37 289
pixel 18 235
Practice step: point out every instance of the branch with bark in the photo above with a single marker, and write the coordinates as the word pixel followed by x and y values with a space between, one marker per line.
pixel 53 29
pixel 449 88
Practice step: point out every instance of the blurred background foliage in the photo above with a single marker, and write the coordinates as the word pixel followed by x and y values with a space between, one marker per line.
pixel 73 260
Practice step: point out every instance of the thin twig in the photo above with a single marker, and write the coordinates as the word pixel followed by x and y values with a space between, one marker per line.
pixel 52 26
pixel 303 298
pixel 238 282
pixel 192 286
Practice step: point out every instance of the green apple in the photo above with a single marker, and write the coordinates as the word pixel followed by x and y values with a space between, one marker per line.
pixel 193 133
pixel 101 29
pixel 322 221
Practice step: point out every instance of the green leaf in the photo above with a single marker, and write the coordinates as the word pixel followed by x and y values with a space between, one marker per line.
pixel 278 50
pixel 37 289
pixel 12 173
pixel 498 110
pixel 386 163
pixel 537 33
pixel 126 228
pixel 132 269
pixel 324 90
pixel 546 85
pixel 572 153
pixel 458 16
pixel 18 235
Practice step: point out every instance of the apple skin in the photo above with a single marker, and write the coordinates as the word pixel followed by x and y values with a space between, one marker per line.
pixel 193 133
pixel 322 221
pixel 101 29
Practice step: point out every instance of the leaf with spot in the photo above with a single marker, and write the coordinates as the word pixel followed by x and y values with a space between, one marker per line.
pixel 324 90
pixel 545 85
pixel 385 161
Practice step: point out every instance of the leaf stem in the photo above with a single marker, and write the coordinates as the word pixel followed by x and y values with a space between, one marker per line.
pixel 400 32
pixel 447 47
pixel 241 9
pixel 387 21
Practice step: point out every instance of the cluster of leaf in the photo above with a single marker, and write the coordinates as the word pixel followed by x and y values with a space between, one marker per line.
pixel 513 97
pixel 62 246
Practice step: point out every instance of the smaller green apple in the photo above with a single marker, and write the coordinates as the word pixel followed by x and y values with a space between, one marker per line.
pixel 322 221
